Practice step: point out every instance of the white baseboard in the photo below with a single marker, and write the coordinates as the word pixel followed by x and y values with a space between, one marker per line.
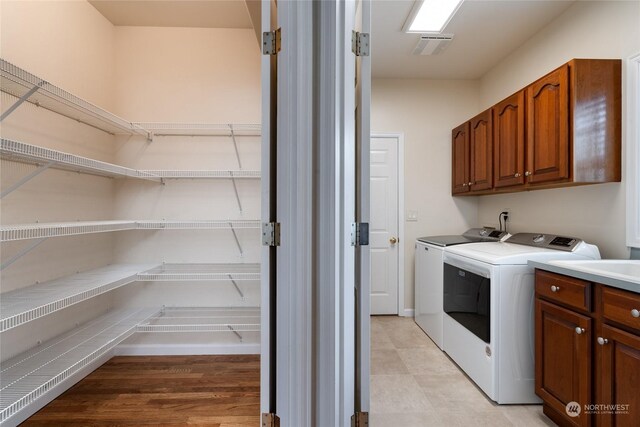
pixel 185 349
pixel 408 312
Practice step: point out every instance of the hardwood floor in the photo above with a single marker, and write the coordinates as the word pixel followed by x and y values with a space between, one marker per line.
pixel 215 391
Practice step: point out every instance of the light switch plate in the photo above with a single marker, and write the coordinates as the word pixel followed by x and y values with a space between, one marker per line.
pixel 412 216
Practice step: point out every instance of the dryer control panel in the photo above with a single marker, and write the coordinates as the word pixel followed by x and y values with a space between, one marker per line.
pixel 549 241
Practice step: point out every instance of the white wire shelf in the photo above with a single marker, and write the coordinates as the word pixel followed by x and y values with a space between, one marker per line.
pixel 191 174
pixel 32 154
pixel 197 225
pixel 31 88
pixel 201 129
pixel 46 230
pixel 36 372
pixel 202 272
pixel 33 302
pixel 204 319
pixel 58 229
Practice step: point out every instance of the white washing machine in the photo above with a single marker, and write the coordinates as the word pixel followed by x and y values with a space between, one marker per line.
pixel 428 275
pixel 488 322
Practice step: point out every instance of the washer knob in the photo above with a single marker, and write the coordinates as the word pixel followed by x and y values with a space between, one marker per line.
pixel 538 239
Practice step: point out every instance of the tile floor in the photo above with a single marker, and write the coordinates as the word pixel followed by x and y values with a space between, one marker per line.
pixel 414 384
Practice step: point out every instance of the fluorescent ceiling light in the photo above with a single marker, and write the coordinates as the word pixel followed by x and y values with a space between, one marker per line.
pixel 431 15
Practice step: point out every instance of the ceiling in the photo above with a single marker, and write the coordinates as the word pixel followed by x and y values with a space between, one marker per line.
pixel 485 31
pixel 175 13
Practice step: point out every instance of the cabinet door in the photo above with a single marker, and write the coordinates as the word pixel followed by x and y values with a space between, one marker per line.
pixel 619 370
pixel 548 128
pixel 563 359
pixel 460 159
pixel 508 140
pixel 481 152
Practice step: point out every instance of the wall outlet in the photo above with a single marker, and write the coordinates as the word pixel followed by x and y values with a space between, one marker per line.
pixel 412 216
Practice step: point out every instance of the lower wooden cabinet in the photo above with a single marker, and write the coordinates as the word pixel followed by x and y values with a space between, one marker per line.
pixel 620 376
pixel 587 356
pixel 565 379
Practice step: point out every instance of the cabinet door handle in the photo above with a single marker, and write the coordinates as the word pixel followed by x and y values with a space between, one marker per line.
pixel 555 288
pixel 464 184
pixel 517 175
pixel 527 173
pixel 579 330
pixel 470 184
pixel 602 341
pixel 635 313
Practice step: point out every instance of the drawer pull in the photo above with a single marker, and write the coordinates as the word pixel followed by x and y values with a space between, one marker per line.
pixel 602 341
pixel 635 313
pixel 555 288
pixel 579 330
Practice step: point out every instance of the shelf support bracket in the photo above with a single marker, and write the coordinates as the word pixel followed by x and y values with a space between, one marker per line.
pixel 235 189
pixel 21 100
pixel 22 253
pixel 235 145
pixel 25 179
pixel 235 332
pixel 235 236
pixel 236 285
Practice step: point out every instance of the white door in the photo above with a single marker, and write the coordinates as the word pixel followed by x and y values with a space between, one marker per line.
pixel 383 228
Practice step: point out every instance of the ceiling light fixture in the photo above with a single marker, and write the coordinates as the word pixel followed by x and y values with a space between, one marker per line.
pixel 429 16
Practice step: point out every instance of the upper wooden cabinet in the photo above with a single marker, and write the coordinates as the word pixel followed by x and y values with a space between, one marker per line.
pixel 460 159
pixel 480 152
pixel 472 147
pixel 508 141
pixel 564 129
pixel 548 127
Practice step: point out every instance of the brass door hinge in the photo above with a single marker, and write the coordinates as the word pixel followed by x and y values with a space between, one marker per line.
pixel 360 419
pixel 271 42
pixel 270 420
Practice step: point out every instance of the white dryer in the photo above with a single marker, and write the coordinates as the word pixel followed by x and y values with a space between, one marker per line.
pixel 488 325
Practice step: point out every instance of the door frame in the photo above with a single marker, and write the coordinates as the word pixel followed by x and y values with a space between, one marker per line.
pixel 402 310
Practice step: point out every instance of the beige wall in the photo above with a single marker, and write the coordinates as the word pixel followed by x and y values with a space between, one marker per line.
pixel 425 111
pixel 596 213
pixel 209 75
pixel 67 42
pixel 71 45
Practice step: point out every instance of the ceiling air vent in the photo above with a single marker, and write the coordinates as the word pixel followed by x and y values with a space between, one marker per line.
pixel 432 44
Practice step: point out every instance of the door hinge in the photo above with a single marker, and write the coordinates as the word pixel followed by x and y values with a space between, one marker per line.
pixel 270 420
pixel 271 234
pixel 360 234
pixel 360 419
pixel 271 42
pixel 360 43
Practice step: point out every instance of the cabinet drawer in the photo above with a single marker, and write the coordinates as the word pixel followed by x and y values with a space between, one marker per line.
pixel 621 306
pixel 565 290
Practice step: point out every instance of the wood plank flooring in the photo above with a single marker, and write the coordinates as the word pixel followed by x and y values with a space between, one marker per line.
pixel 214 391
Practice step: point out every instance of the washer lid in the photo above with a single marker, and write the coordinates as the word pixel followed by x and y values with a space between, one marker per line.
pixel 448 240
pixel 501 253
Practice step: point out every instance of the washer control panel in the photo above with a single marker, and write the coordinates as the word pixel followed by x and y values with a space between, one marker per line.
pixel 549 241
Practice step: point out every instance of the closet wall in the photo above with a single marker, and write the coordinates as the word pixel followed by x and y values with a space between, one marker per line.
pixel 142 74
pixel 72 45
